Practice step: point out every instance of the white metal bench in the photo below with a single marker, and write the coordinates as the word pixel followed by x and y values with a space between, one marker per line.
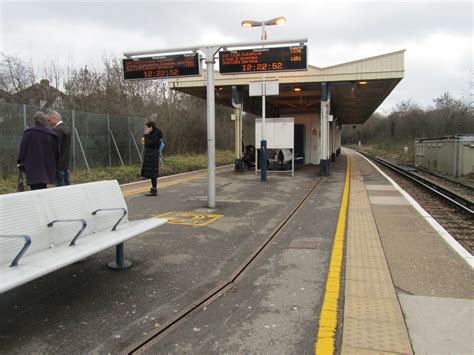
pixel 44 230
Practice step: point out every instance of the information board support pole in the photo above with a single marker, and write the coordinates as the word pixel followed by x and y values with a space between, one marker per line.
pixel 210 52
pixel 263 142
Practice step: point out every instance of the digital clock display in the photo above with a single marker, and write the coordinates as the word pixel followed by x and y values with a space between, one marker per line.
pixel 162 67
pixel 263 60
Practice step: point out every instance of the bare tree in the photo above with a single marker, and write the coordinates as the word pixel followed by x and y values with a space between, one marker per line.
pixel 15 74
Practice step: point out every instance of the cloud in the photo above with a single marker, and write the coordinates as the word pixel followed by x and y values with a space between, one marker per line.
pixel 437 35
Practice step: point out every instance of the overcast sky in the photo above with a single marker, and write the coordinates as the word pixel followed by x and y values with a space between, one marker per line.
pixel 437 36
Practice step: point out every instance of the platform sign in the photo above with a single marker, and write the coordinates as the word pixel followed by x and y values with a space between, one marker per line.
pixel 162 66
pixel 263 60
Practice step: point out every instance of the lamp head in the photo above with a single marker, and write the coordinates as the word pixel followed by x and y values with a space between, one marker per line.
pixel 276 21
pixel 251 23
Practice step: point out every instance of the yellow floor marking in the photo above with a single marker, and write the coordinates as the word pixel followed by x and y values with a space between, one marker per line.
pixel 328 317
pixel 163 185
pixel 190 218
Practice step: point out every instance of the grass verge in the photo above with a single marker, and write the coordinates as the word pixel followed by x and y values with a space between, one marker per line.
pixel 169 166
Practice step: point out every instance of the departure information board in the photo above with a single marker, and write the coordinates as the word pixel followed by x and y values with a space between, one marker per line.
pixel 162 67
pixel 263 60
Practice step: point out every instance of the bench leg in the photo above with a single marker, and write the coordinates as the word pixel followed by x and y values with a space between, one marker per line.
pixel 119 262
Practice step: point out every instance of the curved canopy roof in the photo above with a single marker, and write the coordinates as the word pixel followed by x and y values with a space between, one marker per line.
pixel 352 100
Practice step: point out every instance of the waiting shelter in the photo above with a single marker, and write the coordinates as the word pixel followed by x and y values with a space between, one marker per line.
pixel 320 100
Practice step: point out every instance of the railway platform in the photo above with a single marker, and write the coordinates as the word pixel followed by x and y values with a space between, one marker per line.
pixel 341 263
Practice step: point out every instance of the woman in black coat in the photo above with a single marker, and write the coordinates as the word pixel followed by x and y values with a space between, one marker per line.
pixel 38 154
pixel 151 157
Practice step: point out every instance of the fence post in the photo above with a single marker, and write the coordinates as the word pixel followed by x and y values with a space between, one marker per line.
pixel 108 139
pixel 82 150
pixel 140 155
pixel 116 147
pixel 24 117
pixel 73 139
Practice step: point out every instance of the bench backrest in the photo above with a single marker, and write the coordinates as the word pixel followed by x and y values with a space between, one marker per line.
pixel 30 212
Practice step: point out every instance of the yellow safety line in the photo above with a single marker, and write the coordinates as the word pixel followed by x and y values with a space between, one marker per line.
pixel 162 185
pixel 328 318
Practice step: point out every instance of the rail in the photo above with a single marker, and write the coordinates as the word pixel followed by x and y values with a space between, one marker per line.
pixel 450 196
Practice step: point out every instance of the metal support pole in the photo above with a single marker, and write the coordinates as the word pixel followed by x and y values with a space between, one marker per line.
pixel 120 262
pixel 211 143
pixel 136 146
pixel 116 147
pixel 324 162
pixel 263 142
pixel 82 150
pixel 333 145
pixel 73 116
pixel 238 139
pixel 108 140
pixel 210 52
pixel 241 133
pixel 339 140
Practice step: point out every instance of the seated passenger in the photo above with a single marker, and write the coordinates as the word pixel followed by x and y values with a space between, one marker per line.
pixel 249 157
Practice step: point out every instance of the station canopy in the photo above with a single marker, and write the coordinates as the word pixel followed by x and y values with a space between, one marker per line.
pixel 357 88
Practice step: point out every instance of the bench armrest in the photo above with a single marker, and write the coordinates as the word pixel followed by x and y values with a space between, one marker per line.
pixel 112 209
pixel 84 225
pixel 23 250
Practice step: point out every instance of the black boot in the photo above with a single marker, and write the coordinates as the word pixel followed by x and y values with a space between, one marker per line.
pixel 153 192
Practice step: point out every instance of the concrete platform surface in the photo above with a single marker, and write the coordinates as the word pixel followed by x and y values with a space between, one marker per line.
pixel 88 308
pixel 402 290
pixel 439 325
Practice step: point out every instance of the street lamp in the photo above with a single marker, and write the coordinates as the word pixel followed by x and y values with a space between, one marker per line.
pixel 263 143
pixel 274 21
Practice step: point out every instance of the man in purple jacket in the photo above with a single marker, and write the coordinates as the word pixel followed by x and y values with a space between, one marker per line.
pixel 39 152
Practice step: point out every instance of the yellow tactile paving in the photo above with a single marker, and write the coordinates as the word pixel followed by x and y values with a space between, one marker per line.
pixel 329 310
pixel 373 320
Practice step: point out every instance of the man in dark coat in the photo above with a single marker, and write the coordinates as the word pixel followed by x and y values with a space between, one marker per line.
pixel 64 139
pixel 38 153
pixel 151 157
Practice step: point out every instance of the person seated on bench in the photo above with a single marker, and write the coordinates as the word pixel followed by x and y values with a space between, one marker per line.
pixel 249 157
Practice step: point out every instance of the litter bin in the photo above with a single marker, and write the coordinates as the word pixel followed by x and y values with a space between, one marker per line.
pixel 238 165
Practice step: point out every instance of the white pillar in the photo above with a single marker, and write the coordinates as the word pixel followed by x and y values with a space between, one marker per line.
pixel 210 52
pixel 325 105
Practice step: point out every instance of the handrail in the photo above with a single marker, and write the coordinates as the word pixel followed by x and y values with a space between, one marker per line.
pixel 112 209
pixel 84 225
pixel 23 250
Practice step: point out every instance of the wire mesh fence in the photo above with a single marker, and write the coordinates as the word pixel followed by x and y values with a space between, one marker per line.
pixel 98 139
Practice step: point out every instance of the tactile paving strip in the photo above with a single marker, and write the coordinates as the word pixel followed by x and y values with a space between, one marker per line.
pixel 373 320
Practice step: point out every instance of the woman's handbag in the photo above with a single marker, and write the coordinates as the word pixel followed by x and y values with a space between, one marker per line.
pixel 20 186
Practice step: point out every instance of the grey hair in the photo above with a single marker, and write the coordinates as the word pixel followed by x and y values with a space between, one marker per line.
pixel 54 113
pixel 40 119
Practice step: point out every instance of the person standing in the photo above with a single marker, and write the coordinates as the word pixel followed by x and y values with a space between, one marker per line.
pixel 64 139
pixel 38 154
pixel 151 157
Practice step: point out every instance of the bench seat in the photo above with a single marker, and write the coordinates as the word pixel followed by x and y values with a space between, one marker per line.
pixel 30 213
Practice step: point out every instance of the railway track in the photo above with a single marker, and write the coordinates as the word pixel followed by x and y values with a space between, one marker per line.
pixel 142 345
pixel 455 212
